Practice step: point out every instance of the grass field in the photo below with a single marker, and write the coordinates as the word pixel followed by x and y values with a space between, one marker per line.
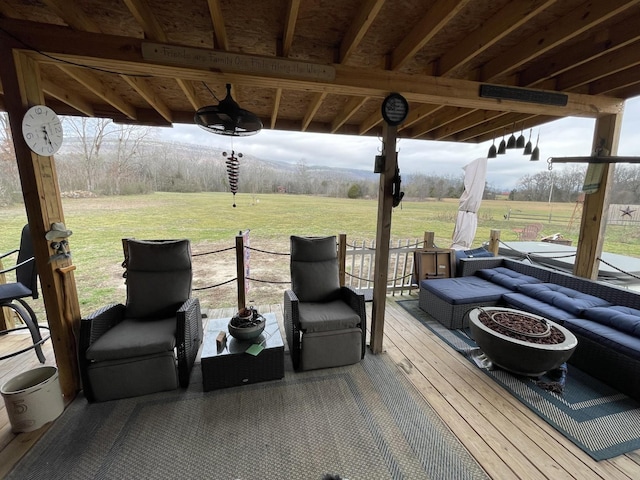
pixel 211 223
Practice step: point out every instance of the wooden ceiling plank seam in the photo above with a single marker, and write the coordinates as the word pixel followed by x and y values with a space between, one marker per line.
pixel 145 90
pixel 510 18
pixel 600 43
pixel 276 107
pixel 582 18
pixel 146 19
pixel 290 26
pixel 432 122
pixel 606 65
pixel 314 105
pixel 72 15
pixel 189 91
pixel 70 98
pixel 359 26
pixel 427 27
pixel 219 29
pixel 95 85
pixel 350 108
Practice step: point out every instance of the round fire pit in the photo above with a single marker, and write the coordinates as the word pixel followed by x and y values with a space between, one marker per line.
pixel 521 342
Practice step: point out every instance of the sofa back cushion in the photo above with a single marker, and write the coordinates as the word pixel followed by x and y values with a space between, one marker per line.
pixel 506 277
pixel 314 268
pixel 565 298
pixel 624 319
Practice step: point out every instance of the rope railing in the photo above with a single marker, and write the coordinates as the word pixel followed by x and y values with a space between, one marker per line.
pixel 266 251
pixel 214 251
pixel 388 280
pixel 618 269
pixel 266 281
pixel 215 286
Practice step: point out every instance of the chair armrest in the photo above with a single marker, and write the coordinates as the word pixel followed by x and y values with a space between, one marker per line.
pixel 357 303
pixel 91 329
pixel 189 333
pixel 17 265
pixel 292 325
pixel 469 266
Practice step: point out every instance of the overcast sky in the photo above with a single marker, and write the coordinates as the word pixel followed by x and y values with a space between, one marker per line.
pixel 566 137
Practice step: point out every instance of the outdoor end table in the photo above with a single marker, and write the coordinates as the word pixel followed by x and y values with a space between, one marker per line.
pixel 232 366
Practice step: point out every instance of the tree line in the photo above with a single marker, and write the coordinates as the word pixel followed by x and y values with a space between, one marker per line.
pixel 103 158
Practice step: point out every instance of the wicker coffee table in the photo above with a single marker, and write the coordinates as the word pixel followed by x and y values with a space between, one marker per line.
pixel 231 366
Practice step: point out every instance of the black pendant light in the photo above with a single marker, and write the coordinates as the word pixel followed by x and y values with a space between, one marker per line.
pixel 528 147
pixel 227 118
pixel 511 143
pixel 493 152
pixel 535 154
pixel 502 149
pixel 520 141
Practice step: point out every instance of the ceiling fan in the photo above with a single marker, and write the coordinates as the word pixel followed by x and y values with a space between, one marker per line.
pixel 227 118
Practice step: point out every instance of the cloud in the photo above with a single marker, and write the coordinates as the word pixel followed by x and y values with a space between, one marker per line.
pixel 562 138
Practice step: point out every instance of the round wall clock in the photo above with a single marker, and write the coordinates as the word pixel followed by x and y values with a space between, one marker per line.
pixel 394 109
pixel 42 130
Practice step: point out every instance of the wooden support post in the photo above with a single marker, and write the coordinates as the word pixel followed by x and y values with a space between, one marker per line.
pixel 596 205
pixel 494 242
pixel 429 240
pixel 21 83
pixel 342 258
pixel 383 235
pixel 242 299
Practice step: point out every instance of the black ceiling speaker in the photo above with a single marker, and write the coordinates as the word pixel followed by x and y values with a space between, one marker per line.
pixel 227 118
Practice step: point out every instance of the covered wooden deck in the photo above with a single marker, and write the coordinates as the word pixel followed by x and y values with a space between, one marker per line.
pixel 505 437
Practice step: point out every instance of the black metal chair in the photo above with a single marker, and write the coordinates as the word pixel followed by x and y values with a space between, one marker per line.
pixel 150 344
pixel 12 295
pixel 325 323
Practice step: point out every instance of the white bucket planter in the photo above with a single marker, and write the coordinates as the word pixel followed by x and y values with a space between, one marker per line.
pixel 33 398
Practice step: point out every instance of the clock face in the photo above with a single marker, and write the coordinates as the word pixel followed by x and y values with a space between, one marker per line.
pixel 42 130
pixel 395 109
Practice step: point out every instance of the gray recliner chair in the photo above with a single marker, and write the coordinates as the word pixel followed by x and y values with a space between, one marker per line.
pixel 149 344
pixel 325 324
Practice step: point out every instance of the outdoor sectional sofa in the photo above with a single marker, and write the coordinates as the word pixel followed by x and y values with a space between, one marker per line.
pixel 604 318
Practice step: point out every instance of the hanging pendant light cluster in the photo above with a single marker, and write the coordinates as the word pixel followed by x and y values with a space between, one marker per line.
pixel 227 118
pixel 516 143
pixel 233 171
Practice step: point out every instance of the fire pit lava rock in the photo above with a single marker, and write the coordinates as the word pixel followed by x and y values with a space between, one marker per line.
pixel 521 342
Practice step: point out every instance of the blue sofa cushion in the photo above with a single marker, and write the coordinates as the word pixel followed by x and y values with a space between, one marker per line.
pixel 565 298
pixel 506 277
pixel 537 307
pixel 463 290
pixel 606 336
pixel 625 319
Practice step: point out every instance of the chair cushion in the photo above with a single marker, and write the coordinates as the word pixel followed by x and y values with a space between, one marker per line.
pixel 537 307
pixel 607 336
pixel 13 291
pixel 158 277
pixel 134 338
pixel 621 318
pixel 323 317
pixel 463 290
pixel 314 269
pixel 506 277
pixel 565 298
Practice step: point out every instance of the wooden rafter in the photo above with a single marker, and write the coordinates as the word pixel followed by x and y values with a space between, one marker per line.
pixel 71 13
pixel 290 26
pixel 145 90
pixel 219 29
pixel 351 107
pixel 361 23
pixel 68 97
pixel 276 106
pixel 314 105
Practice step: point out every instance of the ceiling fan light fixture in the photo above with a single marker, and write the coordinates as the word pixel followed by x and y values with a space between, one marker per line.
pixel 227 118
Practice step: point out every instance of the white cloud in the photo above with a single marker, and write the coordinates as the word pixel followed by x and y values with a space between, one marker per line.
pixel 562 138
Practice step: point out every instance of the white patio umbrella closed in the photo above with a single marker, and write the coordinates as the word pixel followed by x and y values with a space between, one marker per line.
pixel 467 220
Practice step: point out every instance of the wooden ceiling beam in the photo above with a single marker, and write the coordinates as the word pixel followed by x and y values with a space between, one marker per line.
pixel 606 65
pixel 591 49
pixel 351 107
pixel 145 90
pixel 70 98
pixel 314 105
pixel 370 122
pixel 70 12
pixel 219 29
pixel 418 114
pixel 463 123
pixel 95 85
pixel 511 17
pixel 189 91
pixel 427 27
pixel 275 108
pixel 612 84
pixel 290 26
pixel 359 26
pixel 146 19
pixel 582 18
pixel 530 123
pixel 432 122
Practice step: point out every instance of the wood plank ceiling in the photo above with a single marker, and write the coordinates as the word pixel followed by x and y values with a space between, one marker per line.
pixel 325 65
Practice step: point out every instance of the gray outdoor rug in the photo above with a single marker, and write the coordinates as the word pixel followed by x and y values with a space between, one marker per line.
pixel 600 420
pixel 364 421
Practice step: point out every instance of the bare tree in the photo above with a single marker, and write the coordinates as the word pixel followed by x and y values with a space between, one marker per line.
pixel 91 135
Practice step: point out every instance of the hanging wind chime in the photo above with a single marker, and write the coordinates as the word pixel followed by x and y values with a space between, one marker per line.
pixel 233 171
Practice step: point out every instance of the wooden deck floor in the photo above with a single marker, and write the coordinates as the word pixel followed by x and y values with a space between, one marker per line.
pixel 505 437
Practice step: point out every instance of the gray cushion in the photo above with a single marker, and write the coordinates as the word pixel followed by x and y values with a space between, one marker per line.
pixel 158 277
pixel 134 338
pixel 463 290
pixel 314 268
pixel 322 317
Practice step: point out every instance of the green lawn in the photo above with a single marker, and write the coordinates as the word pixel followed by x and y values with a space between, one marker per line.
pixel 211 223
